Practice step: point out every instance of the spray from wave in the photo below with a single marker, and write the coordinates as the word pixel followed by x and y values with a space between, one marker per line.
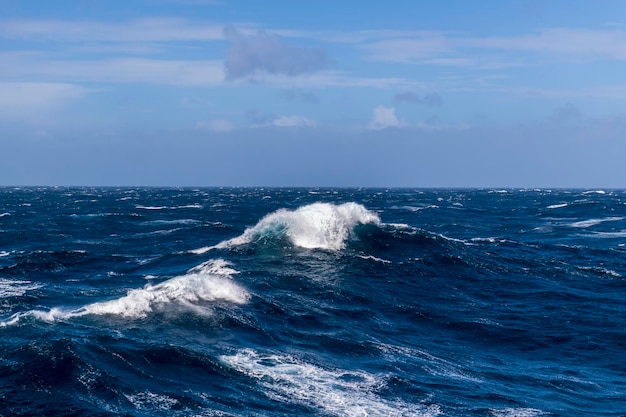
pixel 314 226
pixel 195 291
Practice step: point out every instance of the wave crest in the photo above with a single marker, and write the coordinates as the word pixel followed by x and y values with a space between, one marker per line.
pixel 314 226
pixel 210 281
pixel 206 283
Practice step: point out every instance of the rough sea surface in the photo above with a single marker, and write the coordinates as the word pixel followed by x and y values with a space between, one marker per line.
pixel 312 302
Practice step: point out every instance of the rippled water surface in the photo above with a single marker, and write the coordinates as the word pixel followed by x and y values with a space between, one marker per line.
pixel 322 302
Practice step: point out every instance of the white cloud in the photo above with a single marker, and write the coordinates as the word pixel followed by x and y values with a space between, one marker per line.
pixel 384 117
pixel 293 121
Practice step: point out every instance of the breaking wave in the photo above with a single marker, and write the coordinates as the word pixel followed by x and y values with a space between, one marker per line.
pixel 195 291
pixel 314 226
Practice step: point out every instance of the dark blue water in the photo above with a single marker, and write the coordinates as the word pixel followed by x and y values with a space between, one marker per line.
pixel 322 302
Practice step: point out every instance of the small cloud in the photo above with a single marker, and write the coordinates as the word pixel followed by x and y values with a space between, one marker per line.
pixel 384 117
pixel 293 121
pixel 268 53
pixel 259 119
pixel 217 125
pixel 430 100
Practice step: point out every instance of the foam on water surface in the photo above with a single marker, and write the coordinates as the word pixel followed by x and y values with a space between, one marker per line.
pixel 314 226
pixel 337 392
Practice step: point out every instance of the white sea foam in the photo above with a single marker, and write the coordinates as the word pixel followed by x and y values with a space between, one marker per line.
pixel 315 226
pixel 208 282
pixel 335 391
pixel 151 401
pixel 517 412
pixel 195 291
pixel 593 222
pixel 556 206
pixel 150 207
pixel 373 258
pixel 16 288
pixel 4 214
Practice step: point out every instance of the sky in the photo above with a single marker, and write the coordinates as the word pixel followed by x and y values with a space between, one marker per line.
pixel 402 93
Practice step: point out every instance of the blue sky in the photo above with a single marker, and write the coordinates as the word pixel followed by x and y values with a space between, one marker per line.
pixel 520 93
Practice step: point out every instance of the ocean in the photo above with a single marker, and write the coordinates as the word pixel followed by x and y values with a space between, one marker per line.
pixel 312 302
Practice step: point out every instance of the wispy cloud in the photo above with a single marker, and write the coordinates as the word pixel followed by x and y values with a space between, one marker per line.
pixel 115 70
pixel 132 31
pixel 458 50
pixel 24 100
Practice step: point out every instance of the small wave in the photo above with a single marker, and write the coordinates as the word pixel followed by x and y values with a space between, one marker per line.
pixel 187 206
pixel 151 207
pixel 373 258
pixel 5 214
pixel 601 271
pixel 168 222
pixel 557 206
pixel 517 412
pixel 593 222
pixel 335 391
pixel 609 235
pixel 15 288
pixel 315 226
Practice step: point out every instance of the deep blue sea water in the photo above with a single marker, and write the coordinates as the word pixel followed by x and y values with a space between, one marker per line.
pixel 316 302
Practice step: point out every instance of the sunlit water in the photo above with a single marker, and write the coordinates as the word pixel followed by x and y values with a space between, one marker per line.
pixel 323 302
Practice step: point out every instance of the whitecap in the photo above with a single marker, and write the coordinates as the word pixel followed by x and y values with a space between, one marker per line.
pixel 16 288
pixel 373 258
pixel 517 412
pixel 557 206
pixel 314 226
pixel 335 391
pixel 593 222
pixel 151 207
pixel 208 282
pixel 5 214
pixel 195 291
pixel 194 206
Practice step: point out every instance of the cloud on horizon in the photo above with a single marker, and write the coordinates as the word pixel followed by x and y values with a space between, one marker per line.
pixel 384 117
